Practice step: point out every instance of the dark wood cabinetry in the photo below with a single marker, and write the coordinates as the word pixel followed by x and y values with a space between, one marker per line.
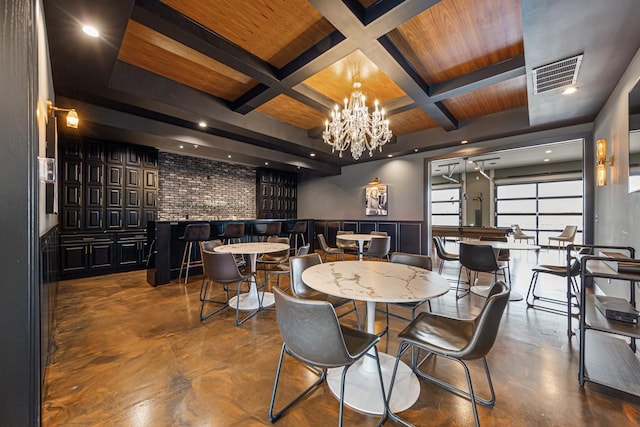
pixel 276 194
pixel 106 189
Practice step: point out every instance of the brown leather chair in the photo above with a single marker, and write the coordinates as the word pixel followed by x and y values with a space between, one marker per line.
pixel 326 249
pixel 312 334
pixel 285 268
pixel 442 253
pixel 210 245
pixel 416 260
pixel 456 339
pixel 222 268
pixel 300 289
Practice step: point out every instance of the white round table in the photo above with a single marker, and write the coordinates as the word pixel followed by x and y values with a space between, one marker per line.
pixel 251 300
pixel 360 238
pixel 375 281
pixel 513 246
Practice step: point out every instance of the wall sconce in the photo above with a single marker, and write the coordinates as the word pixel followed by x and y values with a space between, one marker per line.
pixel 374 181
pixel 72 115
pixel 601 168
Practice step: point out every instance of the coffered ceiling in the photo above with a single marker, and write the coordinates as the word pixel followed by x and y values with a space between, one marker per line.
pixel 264 74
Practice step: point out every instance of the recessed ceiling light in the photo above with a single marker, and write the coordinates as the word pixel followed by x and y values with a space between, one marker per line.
pixel 195 146
pixel 202 124
pixel 181 146
pixel 570 90
pixel 266 163
pixel 298 167
pixel 228 156
pixel 90 30
pixel 548 151
pixel 469 161
pixel 464 141
pixel 312 154
pixel 389 155
pixel 415 150
pixel 546 160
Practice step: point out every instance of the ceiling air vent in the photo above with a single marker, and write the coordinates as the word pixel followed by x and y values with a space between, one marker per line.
pixel 559 74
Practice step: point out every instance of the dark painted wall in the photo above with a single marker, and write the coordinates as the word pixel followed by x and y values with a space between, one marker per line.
pixel 19 292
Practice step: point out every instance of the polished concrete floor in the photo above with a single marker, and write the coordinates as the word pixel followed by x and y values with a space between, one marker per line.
pixel 128 354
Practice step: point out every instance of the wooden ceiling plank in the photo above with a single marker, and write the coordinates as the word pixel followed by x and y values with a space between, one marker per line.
pixel 487 76
pixel 165 20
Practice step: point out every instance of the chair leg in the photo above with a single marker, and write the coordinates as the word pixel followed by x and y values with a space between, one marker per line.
pixel 186 275
pixel 441 266
pixel 466 291
pixel 184 254
pixel 274 417
pixel 203 298
pixel 532 289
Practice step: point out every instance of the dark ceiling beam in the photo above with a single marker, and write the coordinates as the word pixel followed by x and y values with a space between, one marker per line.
pixel 374 43
pixel 496 73
pixel 173 24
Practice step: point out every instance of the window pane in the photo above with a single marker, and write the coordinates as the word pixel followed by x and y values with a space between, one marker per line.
pixel 445 208
pixel 516 206
pixel 558 222
pixel 560 205
pixel 517 191
pixel 562 188
pixel 526 222
pixel 445 220
pixel 445 195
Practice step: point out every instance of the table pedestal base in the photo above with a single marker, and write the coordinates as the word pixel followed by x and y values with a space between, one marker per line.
pixel 362 388
pixel 250 301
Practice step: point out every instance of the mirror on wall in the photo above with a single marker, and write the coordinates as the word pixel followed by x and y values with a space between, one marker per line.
pixel 634 138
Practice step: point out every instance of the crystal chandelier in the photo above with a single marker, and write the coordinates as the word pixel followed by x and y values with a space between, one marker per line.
pixel 354 127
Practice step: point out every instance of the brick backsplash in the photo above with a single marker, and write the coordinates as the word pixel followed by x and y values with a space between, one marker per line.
pixel 204 189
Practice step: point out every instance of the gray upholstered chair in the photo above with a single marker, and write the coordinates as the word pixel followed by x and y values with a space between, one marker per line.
pixel 442 253
pixel 300 289
pixel 477 259
pixel 326 249
pixel 519 235
pixel 456 339
pixel 312 334
pixel 223 269
pixel 379 247
pixel 567 236
pixel 193 234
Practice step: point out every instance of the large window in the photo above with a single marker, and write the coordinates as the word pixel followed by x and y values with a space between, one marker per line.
pixel 445 206
pixel 542 209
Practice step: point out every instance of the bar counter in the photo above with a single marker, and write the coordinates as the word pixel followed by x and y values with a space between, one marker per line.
pixel 165 254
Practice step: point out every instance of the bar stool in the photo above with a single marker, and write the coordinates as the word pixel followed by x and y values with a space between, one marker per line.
pixel 265 229
pixel 233 232
pixel 193 234
pixel 299 229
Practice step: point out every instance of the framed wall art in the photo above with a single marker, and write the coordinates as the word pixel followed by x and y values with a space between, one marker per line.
pixel 376 200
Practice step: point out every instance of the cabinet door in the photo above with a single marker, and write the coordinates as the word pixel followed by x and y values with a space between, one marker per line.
pixel 114 197
pixel 150 199
pixel 150 179
pixel 71 195
pixel 114 219
pixel 128 253
pixel 100 255
pixel 114 175
pixel 95 173
pixel 93 219
pixel 72 171
pixel 94 150
pixel 148 215
pixel 132 177
pixel 74 258
pixel 114 154
pixel 71 147
pixel 71 219
pixel 94 197
pixel 132 218
pixel 133 156
pixel 133 198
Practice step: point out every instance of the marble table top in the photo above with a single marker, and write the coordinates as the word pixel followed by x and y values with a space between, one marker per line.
pixel 354 237
pixel 375 281
pixel 252 248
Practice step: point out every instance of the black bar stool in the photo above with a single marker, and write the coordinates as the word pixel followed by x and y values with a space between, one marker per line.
pixel 233 232
pixel 299 229
pixel 263 230
pixel 193 234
